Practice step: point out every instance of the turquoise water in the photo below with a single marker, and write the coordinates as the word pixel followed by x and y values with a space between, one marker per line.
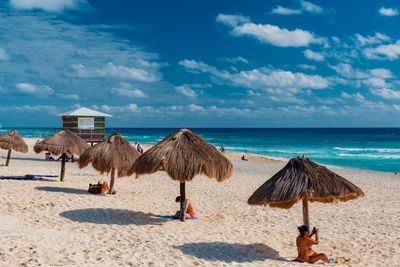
pixel 362 148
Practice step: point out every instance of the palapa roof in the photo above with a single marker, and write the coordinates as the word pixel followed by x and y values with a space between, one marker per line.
pixel 303 176
pixel 114 152
pixel 183 155
pixel 12 141
pixel 85 112
pixel 62 142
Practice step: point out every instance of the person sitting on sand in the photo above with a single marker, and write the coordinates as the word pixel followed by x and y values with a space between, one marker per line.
pixel 304 242
pixel 190 212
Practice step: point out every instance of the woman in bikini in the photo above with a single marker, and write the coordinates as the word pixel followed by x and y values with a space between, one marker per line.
pixel 190 212
pixel 304 242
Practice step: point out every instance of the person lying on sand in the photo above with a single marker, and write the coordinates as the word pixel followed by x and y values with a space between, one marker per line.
pixel 304 242
pixel 190 211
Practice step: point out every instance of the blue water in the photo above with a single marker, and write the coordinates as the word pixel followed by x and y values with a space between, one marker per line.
pixel 361 148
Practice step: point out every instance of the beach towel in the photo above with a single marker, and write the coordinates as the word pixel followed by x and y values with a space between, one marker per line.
pixel 31 177
pixel 176 217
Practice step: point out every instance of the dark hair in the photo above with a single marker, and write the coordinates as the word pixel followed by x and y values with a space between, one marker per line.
pixel 178 199
pixel 302 229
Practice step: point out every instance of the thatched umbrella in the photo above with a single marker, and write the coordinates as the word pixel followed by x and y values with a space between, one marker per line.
pixel 115 153
pixel 304 179
pixel 12 141
pixel 61 143
pixel 183 155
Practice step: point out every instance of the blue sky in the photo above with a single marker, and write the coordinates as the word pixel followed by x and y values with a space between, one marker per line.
pixel 201 64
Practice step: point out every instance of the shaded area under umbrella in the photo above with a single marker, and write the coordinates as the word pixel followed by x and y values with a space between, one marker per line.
pixel 62 143
pixel 115 153
pixel 12 141
pixel 303 179
pixel 183 155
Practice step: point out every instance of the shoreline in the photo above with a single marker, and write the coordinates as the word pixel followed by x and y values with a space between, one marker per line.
pixel 253 156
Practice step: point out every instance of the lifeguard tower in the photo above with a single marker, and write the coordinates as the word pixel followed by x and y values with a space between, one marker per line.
pixel 87 123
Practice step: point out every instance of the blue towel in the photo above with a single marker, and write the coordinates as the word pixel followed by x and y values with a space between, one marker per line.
pixel 175 217
pixel 40 176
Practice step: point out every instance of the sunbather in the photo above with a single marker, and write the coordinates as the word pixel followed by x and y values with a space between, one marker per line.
pixel 304 242
pixel 190 211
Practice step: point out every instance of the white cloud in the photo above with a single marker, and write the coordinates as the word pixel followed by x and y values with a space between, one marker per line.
pixel 126 90
pixel 347 71
pixel 236 60
pixel 186 90
pixel 3 54
pixel 356 97
pixel 44 109
pixel 48 5
pixel 389 12
pixel 312 8
pixel 389 51
pixel 279 10
pixel 381 73
pixel 232 20
pixel 305 7
pixel 42 47
pixel 114 71
pixel 274 35
pixel 375 82
pixel 378 38
pixel 33 89
pixel 371 78
pixel 313 55
pixel 69 96
pixel 261 78
pixel 386 93
pixel 307 67
pixel 267 33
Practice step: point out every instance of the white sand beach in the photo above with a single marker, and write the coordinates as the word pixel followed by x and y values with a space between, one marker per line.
pixel 45 223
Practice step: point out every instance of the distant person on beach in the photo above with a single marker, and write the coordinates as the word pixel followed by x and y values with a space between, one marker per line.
pixel 190 212
pixel 304 242
pixel 222 148
pixel 139 149
pixel 244 156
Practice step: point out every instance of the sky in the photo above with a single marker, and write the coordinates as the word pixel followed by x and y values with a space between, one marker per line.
pixel 225 63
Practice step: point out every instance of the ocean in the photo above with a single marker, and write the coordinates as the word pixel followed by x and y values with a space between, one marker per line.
pixel 361 148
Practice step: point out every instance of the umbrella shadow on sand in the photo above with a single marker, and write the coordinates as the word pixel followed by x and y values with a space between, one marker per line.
pixel 228 252
pixel 67 190
pixel 111 216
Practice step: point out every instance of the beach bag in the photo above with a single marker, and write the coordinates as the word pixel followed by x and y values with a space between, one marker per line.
pixel 95 188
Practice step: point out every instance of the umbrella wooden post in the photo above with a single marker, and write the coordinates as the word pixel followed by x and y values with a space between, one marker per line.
pixel 8 157
pixel 62 167
pixel 306 219
pixel 183 201
pixel 110 190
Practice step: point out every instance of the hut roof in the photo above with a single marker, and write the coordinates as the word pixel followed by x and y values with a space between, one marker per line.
pixel 12 141
pixel 62 142
pixel 184 155
pixel 303 176
pixel 114 152
pixel 85 112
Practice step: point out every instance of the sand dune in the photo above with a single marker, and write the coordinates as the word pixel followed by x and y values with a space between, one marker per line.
pixel 60 224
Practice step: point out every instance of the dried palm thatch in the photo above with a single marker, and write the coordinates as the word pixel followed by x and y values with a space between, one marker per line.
pixel 183 155
pixel 62 142
pixel 115 153
pixel 12 141
pixel 304 179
